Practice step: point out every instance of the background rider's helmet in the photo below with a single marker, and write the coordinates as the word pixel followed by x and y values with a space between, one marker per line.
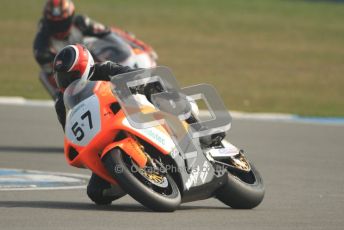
pixel 71 63
pixel 58 14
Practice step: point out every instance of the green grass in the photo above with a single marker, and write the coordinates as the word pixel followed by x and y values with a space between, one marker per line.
pixel 261 55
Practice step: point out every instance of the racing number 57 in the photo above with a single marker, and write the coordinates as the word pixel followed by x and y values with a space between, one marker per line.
pixel 77 130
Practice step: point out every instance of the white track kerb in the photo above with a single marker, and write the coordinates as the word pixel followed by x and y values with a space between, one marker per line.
pixel 23 180
pixel 276 117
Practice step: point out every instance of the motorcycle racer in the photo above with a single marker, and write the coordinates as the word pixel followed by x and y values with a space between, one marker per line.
pixel 72 63
pixel 58 27
pixel 75 62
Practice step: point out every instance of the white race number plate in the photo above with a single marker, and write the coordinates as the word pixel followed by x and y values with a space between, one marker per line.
pixel 83 121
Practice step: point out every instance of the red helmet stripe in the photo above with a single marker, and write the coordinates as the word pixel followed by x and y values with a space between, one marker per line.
pixel 81 60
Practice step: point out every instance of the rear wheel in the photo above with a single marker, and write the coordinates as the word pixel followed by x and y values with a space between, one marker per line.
pixel 243 190
pixel 154 189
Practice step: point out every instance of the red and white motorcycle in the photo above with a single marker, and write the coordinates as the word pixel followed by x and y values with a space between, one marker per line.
pixel 123 48
pixel 119 46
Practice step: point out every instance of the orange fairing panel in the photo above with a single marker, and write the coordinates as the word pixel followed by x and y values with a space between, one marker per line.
pixel 87 158
pixel 156 136
pixel 130 147
pixel 82 150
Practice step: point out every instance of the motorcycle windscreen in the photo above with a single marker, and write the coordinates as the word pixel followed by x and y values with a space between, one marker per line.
pixel 78 91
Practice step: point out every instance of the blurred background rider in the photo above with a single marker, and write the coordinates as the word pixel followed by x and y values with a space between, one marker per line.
pixel 58 27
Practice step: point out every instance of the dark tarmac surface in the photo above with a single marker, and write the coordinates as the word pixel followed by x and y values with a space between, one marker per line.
pixel 301 164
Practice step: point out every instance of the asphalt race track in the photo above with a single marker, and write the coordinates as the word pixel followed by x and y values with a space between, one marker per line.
pixel 302 166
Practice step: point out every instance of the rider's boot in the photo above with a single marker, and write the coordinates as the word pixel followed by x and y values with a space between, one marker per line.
pixel 102 192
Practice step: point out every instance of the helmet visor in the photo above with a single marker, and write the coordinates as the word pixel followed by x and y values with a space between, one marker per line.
pixel 64 79
pixel 59 26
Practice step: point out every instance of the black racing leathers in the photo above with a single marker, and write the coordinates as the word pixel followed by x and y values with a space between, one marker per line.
pixel 102 72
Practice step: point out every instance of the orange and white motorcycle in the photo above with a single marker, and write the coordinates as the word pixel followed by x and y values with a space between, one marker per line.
pixel 145 162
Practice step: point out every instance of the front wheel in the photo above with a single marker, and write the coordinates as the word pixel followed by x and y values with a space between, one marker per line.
pixel 155 190
pixel 243 190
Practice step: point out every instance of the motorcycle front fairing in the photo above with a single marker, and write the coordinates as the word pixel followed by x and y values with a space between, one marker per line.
pixel 92 126
pixel 93 122
pixel 84 122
